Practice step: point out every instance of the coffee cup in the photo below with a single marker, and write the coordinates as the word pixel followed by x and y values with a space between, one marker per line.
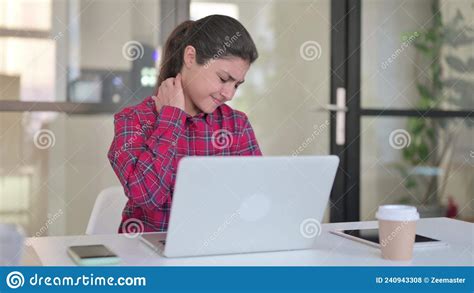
pixel 397 230
pixel 11 244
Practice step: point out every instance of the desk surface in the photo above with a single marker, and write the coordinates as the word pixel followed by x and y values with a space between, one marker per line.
pixel 329 249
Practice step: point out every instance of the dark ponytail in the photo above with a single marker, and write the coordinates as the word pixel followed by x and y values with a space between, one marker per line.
pixel 172 59
pixel 213 37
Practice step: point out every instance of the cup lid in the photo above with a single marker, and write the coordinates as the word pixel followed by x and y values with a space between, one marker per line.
pixel 397 213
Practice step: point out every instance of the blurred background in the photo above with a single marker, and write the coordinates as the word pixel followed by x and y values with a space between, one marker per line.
pixel 406 68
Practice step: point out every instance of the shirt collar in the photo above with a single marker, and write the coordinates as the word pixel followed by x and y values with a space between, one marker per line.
pixel 207 117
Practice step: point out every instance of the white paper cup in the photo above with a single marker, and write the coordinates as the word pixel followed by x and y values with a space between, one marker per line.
pixel 397 230
pixel 12 241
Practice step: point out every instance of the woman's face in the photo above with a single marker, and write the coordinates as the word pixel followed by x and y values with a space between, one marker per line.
pixel 208 86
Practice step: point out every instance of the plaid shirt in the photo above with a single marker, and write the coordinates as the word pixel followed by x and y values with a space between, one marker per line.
pixel 148 145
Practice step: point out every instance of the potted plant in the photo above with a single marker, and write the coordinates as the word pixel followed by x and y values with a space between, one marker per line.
pixel 433 140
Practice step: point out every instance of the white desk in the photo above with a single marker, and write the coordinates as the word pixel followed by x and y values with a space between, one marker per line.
pixel 329 250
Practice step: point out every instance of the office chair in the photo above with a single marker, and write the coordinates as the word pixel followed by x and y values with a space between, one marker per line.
pixel 107 212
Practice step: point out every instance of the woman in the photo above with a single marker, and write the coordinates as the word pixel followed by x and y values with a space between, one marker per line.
pixel 204 62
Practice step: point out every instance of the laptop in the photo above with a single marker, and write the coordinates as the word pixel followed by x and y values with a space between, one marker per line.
pixel 227 205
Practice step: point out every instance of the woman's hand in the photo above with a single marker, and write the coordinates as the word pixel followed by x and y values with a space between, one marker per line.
pixel 170 93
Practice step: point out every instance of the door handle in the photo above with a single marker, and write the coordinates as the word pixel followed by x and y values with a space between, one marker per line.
pixel 331 108
pixel 340 109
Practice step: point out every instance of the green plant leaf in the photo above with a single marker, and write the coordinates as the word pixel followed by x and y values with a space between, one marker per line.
pixel 422 151
pixel 422 48
pixel 409 35
pixel 432 36
pixel 409 154
pixel 436 67
pixel 430 133
pixel 416 125
pixel 410 183
pixel 406 200
pixel 435 91
pixel 424 91
pixel 425 104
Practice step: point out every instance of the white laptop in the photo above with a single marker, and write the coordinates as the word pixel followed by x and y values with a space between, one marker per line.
pixel 224 205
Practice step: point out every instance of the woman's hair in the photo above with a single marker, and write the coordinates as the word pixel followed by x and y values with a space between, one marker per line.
pixel 213 37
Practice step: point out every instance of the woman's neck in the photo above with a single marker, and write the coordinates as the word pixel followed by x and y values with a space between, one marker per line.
pixel 189 107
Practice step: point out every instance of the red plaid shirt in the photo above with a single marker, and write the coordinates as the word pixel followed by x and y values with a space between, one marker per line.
pixel 148 145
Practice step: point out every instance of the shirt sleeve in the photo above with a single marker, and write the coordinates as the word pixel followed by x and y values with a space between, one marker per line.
pixel 144 165
pixel 248 145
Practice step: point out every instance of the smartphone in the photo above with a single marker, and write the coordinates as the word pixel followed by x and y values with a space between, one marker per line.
pixel 92 255
pixel 371 237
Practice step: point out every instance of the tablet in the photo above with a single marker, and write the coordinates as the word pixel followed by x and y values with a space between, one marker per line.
pixel 371 237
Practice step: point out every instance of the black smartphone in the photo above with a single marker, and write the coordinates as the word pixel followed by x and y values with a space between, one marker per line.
pixel 92 255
